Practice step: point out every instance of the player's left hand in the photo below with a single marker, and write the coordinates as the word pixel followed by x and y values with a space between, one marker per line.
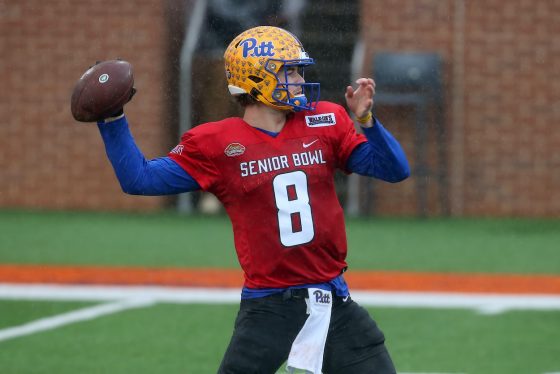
pixel 360 100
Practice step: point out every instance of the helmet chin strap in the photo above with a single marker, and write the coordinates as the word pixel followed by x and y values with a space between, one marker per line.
pixel 298 102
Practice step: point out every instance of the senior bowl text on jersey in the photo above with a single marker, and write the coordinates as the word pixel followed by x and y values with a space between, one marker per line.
pixel 275 163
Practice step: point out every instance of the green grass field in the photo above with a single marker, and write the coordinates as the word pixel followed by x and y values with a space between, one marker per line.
pixel 169 239
pixel 191 338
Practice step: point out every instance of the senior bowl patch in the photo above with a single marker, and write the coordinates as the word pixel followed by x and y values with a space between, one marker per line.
pixel 234 149
pixel 321 120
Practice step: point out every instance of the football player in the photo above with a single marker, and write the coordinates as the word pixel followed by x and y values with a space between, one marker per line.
pixel 273 170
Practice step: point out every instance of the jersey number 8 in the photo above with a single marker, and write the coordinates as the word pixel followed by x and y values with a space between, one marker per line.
pixel 292 206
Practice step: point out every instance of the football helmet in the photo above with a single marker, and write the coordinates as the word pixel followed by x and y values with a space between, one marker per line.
pixel 254 62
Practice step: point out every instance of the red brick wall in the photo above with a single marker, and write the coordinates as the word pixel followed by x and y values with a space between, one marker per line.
pixel 47 160
pixel 502 85
pixel 502 74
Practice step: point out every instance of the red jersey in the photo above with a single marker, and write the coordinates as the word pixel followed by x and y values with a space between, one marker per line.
pixel 278 191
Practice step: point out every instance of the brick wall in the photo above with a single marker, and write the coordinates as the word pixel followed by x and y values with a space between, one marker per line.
pixel 502 85
pixel 47 160
pixel 502 74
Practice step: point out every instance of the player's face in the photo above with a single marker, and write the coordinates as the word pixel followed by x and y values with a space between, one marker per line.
pixel 291 74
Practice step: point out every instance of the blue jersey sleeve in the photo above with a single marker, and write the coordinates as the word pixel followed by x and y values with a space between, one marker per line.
pixel 136 175
pixel 381 156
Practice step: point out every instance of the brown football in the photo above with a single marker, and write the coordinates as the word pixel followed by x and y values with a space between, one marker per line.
pixel 102 90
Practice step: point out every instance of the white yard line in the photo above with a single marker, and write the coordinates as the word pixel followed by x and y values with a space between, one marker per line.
pixel 483 303
pixel 178 295
pixel 85 314
pixel 121 298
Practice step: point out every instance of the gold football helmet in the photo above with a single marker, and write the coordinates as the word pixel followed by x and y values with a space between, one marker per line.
pixel 254 60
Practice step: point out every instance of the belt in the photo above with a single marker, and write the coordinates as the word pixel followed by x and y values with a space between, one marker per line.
pixel 301 293
pixel 294 293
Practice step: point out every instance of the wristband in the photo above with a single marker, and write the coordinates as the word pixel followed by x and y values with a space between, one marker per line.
pixel 365 119
pixel 113 119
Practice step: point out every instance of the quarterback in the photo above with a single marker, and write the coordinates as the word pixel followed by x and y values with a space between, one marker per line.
pixel 273 171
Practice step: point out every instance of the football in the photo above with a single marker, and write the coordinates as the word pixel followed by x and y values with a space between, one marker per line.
pixel 102 90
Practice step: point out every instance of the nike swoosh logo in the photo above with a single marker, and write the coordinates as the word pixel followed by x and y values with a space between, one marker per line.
pixel 306 145
pixel 344 299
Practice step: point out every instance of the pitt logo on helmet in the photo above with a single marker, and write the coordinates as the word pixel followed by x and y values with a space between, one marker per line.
pixel 261 50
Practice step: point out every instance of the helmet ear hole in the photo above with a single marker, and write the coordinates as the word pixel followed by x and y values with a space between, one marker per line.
pixel 255 79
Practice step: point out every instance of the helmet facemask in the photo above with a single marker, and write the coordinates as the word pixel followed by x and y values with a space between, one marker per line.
pixel 307 94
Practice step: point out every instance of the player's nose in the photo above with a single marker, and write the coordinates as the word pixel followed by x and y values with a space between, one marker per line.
pixel 299 78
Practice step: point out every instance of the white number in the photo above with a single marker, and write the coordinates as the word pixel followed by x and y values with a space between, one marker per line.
pixel 298 205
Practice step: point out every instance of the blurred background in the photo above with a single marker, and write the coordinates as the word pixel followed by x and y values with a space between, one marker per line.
pixel 470 88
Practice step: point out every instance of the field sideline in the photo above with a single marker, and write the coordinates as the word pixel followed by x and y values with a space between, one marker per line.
pixel 129 288
pixel 120 298
pixel 216 277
